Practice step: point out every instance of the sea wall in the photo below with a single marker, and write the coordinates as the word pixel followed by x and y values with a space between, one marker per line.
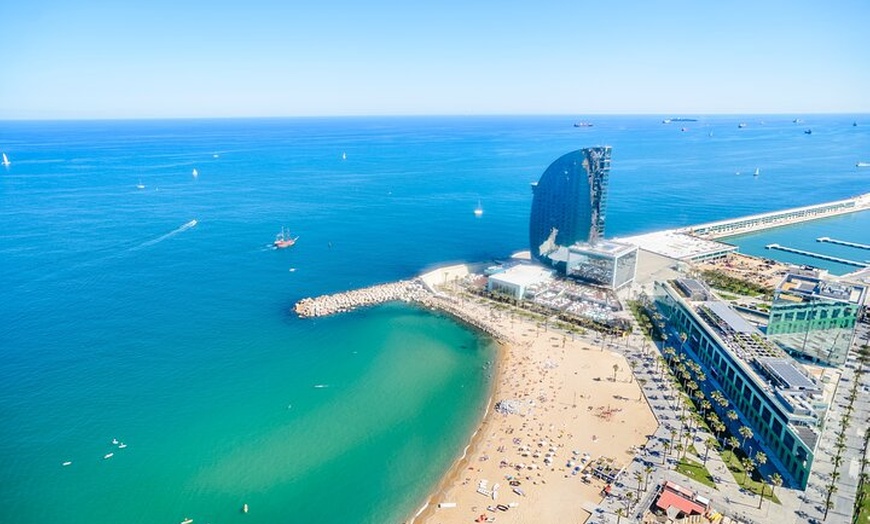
pixel 478 315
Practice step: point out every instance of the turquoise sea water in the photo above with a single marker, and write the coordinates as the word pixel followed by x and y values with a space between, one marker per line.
pixel 122 319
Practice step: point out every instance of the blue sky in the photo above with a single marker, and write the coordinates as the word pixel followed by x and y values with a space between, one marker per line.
pixel 218 58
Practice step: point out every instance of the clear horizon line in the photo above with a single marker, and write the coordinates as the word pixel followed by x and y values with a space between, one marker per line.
pixel 417 115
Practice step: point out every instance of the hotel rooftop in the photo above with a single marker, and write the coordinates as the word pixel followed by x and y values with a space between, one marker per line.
pixel 805 288
pixel 679 246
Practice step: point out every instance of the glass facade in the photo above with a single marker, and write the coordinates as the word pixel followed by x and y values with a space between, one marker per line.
pixel 782 418
pixel 815 319
pixel 606 263
pixel 568 204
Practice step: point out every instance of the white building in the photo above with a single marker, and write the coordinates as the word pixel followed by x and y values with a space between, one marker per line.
pixel 517 280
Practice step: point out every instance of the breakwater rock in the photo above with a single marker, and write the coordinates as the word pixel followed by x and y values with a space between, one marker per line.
pixel 476 314
pixel 405 290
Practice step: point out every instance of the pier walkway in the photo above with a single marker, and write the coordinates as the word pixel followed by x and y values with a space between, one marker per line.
pixel 843 243
pixel 817 255
pixel 759 222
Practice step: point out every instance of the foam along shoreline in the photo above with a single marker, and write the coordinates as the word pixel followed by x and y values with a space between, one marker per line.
pixel 553 411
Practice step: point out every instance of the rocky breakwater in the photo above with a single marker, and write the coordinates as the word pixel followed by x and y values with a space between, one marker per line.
pixel 405 290
pixel 476 314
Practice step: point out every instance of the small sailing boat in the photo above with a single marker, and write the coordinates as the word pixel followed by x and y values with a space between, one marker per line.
pixel 6 162
pixel 283 239
pixel 140 185
pixel 344 156
pixel 195 173
pixel 757 172
pixel 245 508
pixel 478 211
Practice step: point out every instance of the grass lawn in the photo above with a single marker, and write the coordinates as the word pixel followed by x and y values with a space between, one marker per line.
pixel 864 510
pixel 746 481
pixel 695 471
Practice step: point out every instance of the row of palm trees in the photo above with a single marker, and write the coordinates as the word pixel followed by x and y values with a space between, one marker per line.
pixel 689 375
pixel 864 476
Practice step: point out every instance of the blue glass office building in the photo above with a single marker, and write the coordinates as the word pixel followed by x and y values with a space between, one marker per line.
pixel 568 204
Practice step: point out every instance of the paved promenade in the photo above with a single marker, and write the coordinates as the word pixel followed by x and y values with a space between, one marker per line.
pixel 649 468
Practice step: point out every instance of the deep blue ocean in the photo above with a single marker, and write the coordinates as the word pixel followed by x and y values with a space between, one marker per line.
pixel 121 318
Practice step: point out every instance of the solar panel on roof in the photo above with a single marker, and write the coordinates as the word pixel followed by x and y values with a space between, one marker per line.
pixel 787 373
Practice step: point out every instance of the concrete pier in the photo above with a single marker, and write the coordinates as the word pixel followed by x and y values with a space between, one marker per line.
pixel 817 255
pixel 843 243
pixel 748 224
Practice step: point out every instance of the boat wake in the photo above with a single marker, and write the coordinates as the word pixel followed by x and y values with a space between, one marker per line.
pixel 171 234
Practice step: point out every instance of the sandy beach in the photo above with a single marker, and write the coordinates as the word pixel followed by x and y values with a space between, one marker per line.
pixel 555 410
pixel 559 407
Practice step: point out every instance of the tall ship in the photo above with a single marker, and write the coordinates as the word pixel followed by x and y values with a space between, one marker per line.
pixel 283 239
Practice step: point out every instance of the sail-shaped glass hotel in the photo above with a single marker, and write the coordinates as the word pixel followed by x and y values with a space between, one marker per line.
pixel 566 228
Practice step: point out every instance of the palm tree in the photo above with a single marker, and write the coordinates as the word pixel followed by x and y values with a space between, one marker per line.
pixel 746 433
pixel 775 482
pixel 648 471
pixel 705 405
pixel 710 442
pixel 638 476
pixel 683 338
pixel 718 426
pixel 829 504
pixel 733 443
pixel 748 467
pixel 620 512
pixel 615 369
pixel 732 415
pixel 760 460
pixel 629 499
pixel 669 354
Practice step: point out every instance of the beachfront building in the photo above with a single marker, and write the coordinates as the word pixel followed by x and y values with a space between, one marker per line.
pixel 568 204
pixel 605 263
pixel 771 392
pixel 815 319
pixel 516 281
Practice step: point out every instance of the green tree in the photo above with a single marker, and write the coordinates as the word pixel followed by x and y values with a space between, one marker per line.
pixel 746 433
pixel 748 467
pixel 760 460
pixel 733 443
pixel 710 442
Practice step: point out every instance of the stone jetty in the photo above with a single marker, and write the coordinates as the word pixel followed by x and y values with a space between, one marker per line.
pixel 404 290
pixel 414 291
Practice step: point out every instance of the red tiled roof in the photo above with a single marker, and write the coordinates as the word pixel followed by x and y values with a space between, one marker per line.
pixel 669 498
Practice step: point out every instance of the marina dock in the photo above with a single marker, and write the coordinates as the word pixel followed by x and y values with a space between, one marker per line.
pixel 830 240
pixel 818 255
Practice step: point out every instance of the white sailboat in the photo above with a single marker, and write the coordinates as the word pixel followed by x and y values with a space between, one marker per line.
pixel 478 211
pixel 6 162
pixel 195 173
pixel 757 172
pixel 140 185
